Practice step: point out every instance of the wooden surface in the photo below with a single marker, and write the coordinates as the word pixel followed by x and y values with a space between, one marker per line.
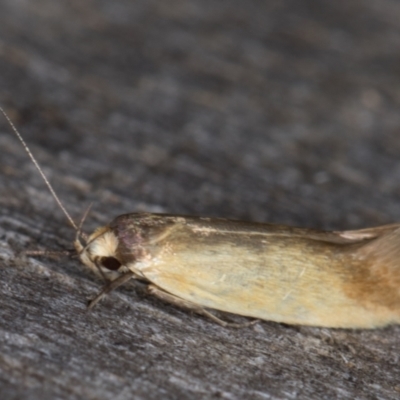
pixel 280 111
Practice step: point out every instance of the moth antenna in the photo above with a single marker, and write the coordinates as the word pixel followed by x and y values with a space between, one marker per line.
pixel 36 164
pixel 79 232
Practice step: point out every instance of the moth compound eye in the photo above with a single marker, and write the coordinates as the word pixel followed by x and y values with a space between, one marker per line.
pixel 110 263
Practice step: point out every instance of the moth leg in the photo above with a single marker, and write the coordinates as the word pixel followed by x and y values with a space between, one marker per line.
pixel 176 301
pixel 49 253
pixel 110 286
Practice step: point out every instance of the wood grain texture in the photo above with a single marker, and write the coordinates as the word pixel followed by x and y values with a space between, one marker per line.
pixel 268 111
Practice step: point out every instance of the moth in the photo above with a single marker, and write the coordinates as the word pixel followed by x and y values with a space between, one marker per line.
pixel 338 279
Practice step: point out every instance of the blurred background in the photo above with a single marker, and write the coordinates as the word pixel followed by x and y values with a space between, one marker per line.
pixel 284 111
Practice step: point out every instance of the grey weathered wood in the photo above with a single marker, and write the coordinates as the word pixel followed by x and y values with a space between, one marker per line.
pixel 272 111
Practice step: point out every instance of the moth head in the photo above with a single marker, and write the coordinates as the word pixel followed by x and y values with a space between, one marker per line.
pixel 100 252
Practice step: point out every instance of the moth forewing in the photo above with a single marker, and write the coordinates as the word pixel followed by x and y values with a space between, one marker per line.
pixel 265 271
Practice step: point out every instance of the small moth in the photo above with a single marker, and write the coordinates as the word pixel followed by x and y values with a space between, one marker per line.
pixel 339 279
